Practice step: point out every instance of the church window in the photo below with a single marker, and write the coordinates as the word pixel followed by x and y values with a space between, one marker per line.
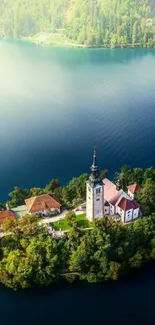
pixel 89 189
pixel 98 199
pixel 98 191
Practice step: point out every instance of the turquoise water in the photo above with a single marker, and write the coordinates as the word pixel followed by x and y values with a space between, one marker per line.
pixel 56 104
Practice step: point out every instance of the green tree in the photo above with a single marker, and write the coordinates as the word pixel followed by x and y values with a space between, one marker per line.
pixel 71 218
pixel 52 186
pixel 9 225
pixel 146 197
pixel 104 174
pixel 138 175
pixel 18 196
pixel 93 23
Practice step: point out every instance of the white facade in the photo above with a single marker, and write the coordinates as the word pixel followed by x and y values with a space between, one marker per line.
pixel 107 197
pixel 128 215
pixel 135 214
pixel 94 201
pixel 47 211
pixel 121 213
pixel 112 210
pixel 106 209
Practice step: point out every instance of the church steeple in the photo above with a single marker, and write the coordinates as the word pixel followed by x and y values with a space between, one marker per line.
pixel 94 178
pixel 94 192
pixel 94 159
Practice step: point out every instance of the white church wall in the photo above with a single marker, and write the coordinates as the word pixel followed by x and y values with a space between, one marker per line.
pixel 94 202
pixel 112 209
pixel 120 212
pixel 98 202
pixel 128 215
pixel 106 210
pixel 89 203
pixel 135 213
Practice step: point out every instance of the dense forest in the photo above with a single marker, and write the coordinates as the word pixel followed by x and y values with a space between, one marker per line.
pixel 30 257
pixel 107 23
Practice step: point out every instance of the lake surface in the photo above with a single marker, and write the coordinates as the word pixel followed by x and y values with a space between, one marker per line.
pixel 56 104
pixel 124 302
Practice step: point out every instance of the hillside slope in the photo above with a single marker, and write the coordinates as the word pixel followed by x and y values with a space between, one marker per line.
pixel 89 22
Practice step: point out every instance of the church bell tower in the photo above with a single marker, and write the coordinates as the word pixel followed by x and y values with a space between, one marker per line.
pixel 94 193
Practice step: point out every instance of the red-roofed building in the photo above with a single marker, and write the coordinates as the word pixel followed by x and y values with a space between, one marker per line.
pixel 132 189
pixel 105 197
pixel 5 215
pixel 118 202
pixel 43 204
pixel 128 210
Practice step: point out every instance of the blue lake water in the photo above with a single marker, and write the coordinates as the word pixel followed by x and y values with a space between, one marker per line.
pixel 56 104
pixel 127 301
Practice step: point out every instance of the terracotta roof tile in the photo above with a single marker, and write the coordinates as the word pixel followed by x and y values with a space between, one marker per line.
pixel 133 188
pixel 126 204
pixel 111 194
pixel 42 202
pixel 6 214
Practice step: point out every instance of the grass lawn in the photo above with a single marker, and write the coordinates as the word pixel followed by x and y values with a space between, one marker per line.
pixel 81 219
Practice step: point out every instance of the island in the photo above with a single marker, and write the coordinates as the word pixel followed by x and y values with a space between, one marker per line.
pixel 92 229
pixel 79 23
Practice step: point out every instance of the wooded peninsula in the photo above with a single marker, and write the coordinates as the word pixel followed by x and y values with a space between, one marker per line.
pixel 30 257
pixel 89 23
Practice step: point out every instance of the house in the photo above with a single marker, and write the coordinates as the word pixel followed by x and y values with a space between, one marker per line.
pixel 132 189
pixel 105 197
pixel 5 215
pixel 43 205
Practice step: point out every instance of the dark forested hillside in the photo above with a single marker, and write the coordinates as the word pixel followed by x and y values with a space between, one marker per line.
pixel 90 22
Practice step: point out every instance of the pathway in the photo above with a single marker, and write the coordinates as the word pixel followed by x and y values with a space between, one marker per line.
pixel 61 216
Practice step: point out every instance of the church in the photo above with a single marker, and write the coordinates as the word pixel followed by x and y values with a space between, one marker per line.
pixel 104 197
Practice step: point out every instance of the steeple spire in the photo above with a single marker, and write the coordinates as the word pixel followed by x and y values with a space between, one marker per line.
pixel 94 178
pixel 94 159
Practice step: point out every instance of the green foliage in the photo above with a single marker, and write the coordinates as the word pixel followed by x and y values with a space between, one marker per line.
pixel 18 196
pixel 52 186
pixel 91 22
pixel 2 206
pixel 75 192
pixel 104 174
pixel 28 225
pixel 71 218
pixel 146 197
pixel 9 225
pixel 36 191
pixel 105 252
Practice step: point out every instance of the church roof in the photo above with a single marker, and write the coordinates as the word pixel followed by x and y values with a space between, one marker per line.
pixel 126 204
pixel 5 215
pixel 111 194
pixel 133 188
pixel 42 202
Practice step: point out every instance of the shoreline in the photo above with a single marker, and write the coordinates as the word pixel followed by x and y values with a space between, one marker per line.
pixel 66 43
